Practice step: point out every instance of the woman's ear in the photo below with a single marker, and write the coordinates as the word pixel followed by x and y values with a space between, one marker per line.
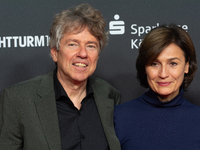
pixel 187 67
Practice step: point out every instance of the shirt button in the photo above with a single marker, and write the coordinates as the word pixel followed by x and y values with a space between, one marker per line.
pixel 83 137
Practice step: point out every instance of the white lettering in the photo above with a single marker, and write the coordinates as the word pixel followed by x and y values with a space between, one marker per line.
pixel 140 42
pixel 9 41
pixel 39 42
pixel 136 43
pixel 3 42
pixel 30 41
pixel 15 40
pixel 20 41
pixel 133 44
pixel 24 41
pixel 140 30
pixel 148 29
pixel 47 38
pixel 135 30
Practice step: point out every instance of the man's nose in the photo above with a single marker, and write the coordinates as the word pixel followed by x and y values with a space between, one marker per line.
pixel 82 52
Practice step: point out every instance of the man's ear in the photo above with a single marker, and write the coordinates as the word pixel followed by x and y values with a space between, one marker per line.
pixel 54 53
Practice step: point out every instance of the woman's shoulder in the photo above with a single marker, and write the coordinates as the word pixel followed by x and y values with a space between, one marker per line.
pixel 128 107
pixel 190 106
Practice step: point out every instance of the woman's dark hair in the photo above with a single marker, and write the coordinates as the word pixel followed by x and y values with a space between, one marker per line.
pixel 156 41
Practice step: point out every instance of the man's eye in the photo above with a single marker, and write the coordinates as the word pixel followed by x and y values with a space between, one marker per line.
pixel 91 47
pixel 71 44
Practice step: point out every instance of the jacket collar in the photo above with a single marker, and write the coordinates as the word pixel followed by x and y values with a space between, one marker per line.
pixel 105 106
pixel 47 112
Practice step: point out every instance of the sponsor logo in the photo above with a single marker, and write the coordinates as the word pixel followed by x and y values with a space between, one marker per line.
pixel 117 27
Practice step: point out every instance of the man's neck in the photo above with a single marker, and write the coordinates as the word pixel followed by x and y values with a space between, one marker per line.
pixel 76 91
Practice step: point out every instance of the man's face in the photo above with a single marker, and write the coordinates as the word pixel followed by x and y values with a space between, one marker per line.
pixel 77 57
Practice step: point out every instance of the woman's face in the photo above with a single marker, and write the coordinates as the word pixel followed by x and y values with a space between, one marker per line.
pixel 165 75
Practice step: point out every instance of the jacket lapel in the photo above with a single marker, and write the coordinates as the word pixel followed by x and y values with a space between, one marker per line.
pixel 105 108
pixel 47 112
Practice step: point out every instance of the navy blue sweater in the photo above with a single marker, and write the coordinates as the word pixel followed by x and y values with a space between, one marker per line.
pixel 146 123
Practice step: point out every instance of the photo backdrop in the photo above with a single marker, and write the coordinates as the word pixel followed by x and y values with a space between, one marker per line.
pixel 25 25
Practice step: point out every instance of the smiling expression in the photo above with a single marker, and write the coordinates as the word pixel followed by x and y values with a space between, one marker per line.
pixel 165 75
pixel 77 56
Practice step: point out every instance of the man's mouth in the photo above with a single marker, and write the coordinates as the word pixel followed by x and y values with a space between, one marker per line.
pixel 80 65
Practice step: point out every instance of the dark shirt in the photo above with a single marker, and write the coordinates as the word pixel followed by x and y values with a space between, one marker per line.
pixel 79 129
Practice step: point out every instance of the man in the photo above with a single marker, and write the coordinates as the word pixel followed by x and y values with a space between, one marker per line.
pixel 67 108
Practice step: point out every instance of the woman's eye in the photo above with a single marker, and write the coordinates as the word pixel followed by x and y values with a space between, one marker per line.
pixel 173 64
pixel 154 64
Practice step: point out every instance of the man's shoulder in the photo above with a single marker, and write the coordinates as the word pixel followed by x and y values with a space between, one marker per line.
pixel 101 85
pixel 27 85
pixel 99 82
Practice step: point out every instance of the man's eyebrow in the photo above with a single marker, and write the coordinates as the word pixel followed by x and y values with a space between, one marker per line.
pixel 70 40
pixel 93 42
pixel 74 40
pixel 88 42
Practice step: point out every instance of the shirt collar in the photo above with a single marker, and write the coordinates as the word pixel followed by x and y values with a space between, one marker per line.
pixel 59 90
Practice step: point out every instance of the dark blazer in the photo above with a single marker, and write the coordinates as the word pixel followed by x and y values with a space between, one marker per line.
pixel 28 115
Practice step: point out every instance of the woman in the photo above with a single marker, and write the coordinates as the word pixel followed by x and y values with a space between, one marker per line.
pixel 161 119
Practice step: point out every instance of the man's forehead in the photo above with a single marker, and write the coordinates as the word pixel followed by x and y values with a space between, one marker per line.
pixel 76 32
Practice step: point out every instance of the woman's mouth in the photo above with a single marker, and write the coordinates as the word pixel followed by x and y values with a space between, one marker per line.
pixel 164 83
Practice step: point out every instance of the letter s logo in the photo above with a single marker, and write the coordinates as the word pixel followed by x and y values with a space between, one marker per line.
pixel 116 27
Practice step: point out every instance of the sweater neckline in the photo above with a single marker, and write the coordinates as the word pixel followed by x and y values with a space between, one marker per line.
pixel 151 98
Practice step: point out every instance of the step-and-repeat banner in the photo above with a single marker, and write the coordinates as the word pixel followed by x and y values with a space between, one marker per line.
pixel 24 34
